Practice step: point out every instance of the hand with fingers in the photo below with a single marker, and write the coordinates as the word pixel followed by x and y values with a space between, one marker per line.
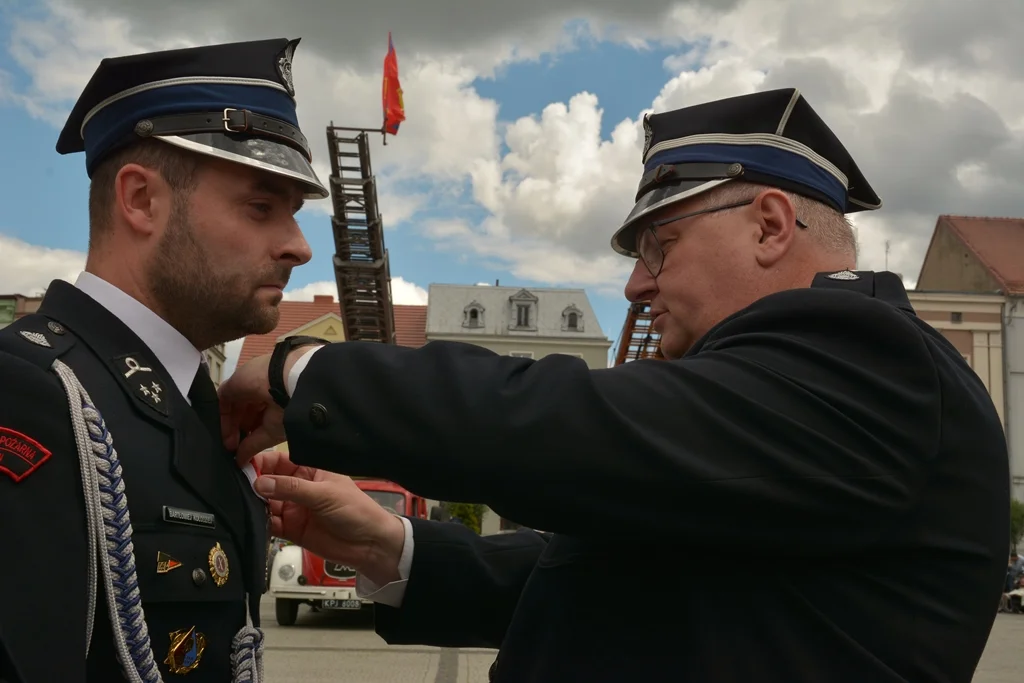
pixel 329 515
pixel 250 419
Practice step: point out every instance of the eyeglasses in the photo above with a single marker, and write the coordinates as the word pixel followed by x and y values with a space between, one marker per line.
pixel 649 246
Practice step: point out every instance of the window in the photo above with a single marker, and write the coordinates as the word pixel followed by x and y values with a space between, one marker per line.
pixel 388 500
pixel 522 315
pixel 956 317
pixel 522 311
pixel 572 319
pixel 473 315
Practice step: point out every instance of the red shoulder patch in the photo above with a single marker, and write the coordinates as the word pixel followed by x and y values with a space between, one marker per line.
pixel 20 455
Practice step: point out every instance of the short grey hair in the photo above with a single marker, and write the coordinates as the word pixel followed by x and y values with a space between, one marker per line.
pixel 830 228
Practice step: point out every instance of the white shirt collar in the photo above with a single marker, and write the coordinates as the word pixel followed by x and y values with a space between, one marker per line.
pixel 175 353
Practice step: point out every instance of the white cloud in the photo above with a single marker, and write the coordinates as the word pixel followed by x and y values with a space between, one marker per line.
pixel 307 292
pixel 407 293
pixel 402 292
pixel 29 269
pixel 928 96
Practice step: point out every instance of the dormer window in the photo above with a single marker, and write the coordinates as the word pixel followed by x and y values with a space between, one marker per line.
pixel 522 315
pixel 522 311
pixel 473 315
pixel 572 319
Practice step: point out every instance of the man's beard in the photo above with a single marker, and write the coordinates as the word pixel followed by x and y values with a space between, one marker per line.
pixel 208 304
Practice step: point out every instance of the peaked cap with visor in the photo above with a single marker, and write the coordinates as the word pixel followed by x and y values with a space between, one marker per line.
pixel 771 138
pixel 234 101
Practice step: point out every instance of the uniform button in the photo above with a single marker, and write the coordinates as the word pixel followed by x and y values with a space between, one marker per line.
pixel 318 415
pixel 56 328
pixel 198 577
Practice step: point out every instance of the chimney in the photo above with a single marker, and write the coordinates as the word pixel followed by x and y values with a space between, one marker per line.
pixel 497 283
pixel 323 298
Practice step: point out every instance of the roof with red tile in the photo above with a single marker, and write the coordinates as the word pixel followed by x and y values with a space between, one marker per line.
pixel 998 243
pixel 410 324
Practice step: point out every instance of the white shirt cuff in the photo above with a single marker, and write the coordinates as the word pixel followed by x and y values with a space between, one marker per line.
pixel 393 593
pixel 300 365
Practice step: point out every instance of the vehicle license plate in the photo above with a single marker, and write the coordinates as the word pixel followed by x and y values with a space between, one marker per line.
pixel 343 604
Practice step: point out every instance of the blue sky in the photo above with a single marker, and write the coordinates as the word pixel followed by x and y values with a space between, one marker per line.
pixel 45 195
pixel 544 200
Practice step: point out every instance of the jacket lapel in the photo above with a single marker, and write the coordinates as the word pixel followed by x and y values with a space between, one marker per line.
pixel 202 464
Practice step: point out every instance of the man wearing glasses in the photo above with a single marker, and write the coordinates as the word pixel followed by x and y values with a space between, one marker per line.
pixel 804 415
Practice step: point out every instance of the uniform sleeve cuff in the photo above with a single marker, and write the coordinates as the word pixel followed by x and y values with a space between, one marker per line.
pixel 392 593
pixel 300 365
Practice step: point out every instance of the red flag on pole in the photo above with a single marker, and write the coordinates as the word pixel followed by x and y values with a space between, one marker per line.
pixel 394 107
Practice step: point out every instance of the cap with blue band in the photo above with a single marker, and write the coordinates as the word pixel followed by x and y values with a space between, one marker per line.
pixel 233 101
pixel 771 138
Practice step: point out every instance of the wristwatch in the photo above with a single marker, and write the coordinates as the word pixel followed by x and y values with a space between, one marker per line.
pixel 278 382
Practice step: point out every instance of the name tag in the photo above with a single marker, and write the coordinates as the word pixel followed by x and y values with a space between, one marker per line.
pixel 191 517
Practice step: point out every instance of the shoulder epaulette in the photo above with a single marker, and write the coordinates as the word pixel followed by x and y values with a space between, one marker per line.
pixel 37 339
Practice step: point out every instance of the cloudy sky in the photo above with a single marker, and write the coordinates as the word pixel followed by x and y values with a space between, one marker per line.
pixel 521 149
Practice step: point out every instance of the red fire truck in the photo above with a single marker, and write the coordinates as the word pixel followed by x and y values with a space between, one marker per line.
pixel 298 576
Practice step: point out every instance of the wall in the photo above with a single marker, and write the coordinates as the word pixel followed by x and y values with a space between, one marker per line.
pixel 215 360
pixel 594 354
pixel 973 324
pixel 1014 365
pixel 950 266
pixel 330 328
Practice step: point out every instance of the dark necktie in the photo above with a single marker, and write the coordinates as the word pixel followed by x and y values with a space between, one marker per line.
pixel 203 396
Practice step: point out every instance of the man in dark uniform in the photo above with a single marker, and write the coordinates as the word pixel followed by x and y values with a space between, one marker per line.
pixel 803 413
pixel 141 547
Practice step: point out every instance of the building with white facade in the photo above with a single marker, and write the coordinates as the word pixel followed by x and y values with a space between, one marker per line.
pixel 516 321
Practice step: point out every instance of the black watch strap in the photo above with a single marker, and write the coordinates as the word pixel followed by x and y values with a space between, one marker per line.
pixel 278 382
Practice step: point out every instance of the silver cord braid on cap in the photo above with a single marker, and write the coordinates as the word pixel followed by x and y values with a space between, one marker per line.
pixel 107 517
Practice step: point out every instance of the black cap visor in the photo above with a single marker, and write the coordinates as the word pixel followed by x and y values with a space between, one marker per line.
pixel 256 152
pixel 624 239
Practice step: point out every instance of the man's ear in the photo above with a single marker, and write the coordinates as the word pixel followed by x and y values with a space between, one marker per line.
pixel 777 217
pixel 142 199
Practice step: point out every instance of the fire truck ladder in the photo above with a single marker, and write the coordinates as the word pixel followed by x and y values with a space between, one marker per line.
pixel 360 259
pixel 638 340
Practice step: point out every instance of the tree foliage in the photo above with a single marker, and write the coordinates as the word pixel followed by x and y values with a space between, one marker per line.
pixel 1016 522
pixel 469 514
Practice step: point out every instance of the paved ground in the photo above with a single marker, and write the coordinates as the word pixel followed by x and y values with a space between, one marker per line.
pixel 326 647
pixel 1003 660
pixel 337 648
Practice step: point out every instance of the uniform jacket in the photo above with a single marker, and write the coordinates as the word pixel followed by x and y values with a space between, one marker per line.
pixel 172 469
pixel 758 510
